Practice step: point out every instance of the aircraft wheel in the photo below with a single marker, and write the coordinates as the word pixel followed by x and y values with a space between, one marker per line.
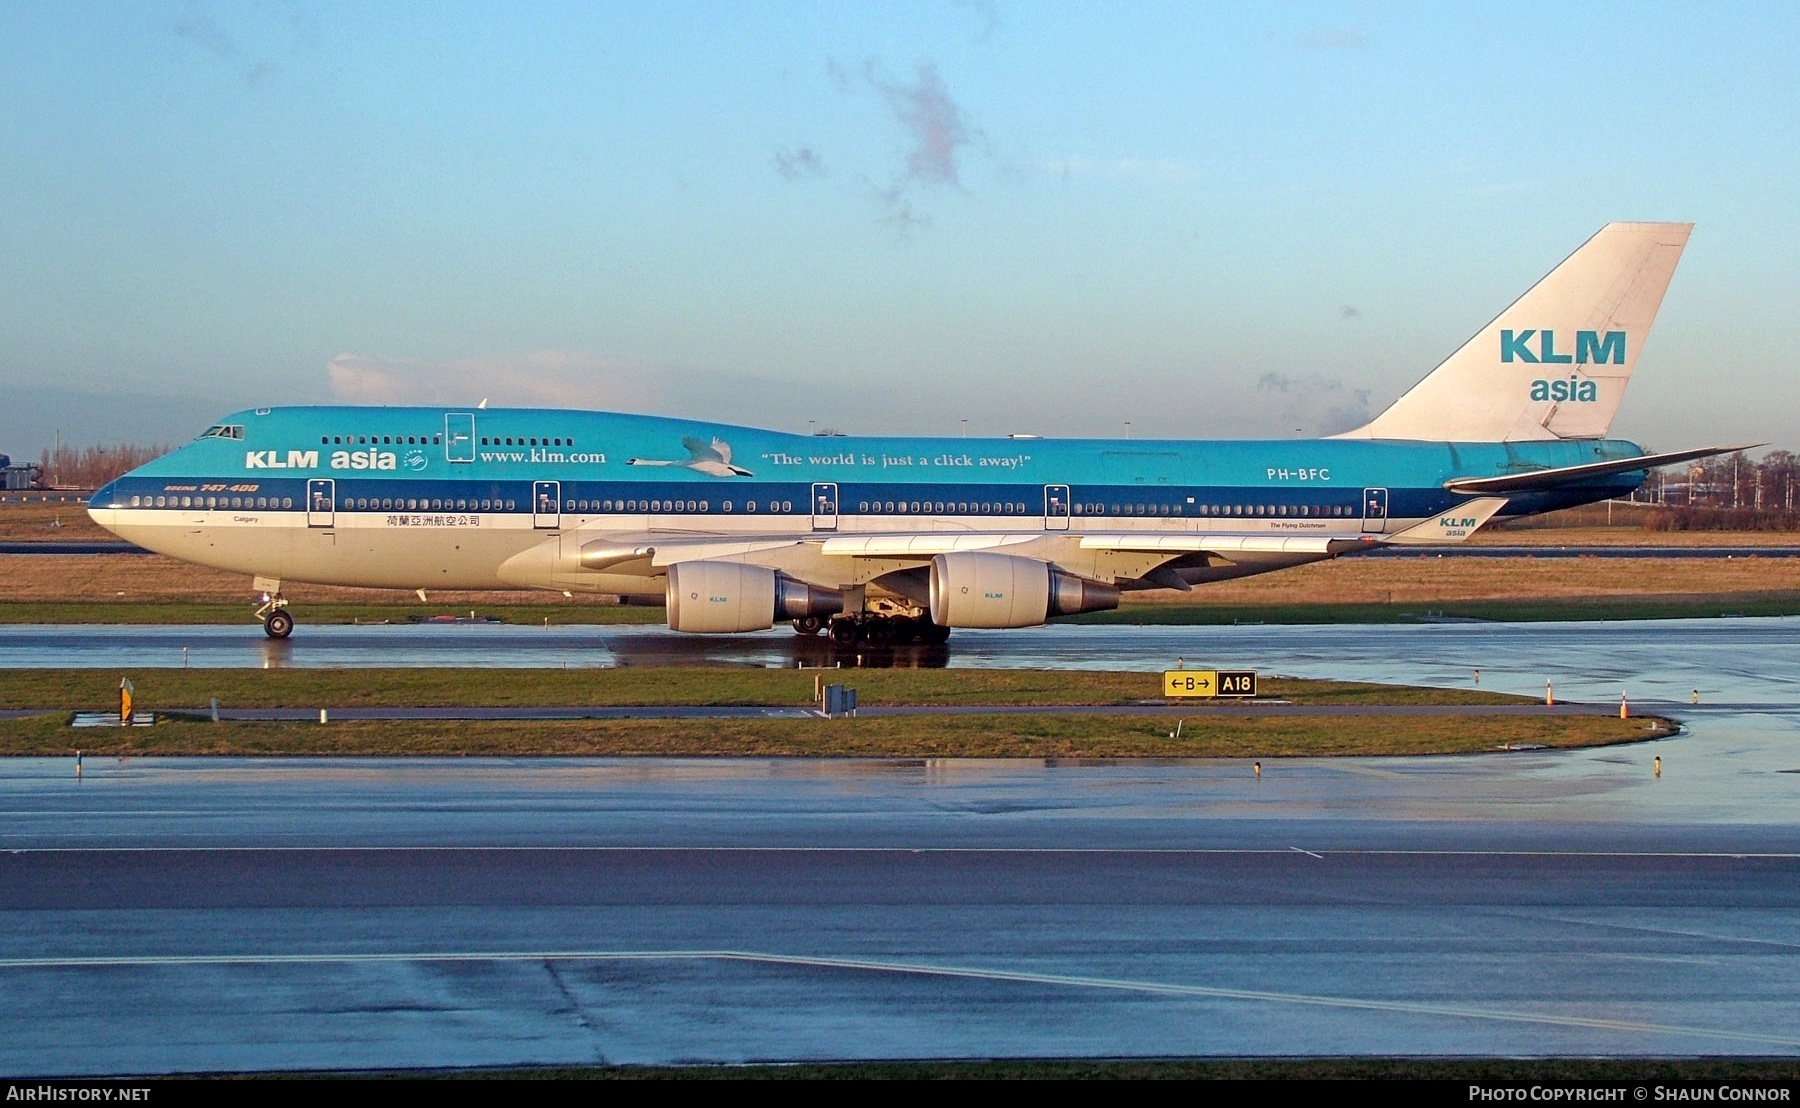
pixel 933 633
pixel 843 632
pixel 906 630
pixel 278 624
pixel 878 631
pixel 811 625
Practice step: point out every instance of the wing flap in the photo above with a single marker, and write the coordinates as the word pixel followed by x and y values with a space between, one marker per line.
pixel 1196 542
pixel 668 552
pixel 926 544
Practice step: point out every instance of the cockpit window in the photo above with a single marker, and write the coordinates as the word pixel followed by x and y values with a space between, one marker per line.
pixel 224 431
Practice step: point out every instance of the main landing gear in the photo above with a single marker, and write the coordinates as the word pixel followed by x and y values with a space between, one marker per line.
pixel 277 621
pixel 876 629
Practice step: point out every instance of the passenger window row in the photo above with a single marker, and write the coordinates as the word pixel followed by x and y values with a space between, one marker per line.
pixel 866 507
pixel 1305 510
pixel 212 502
pixel 380 440
pixel 402 504
pixel 1315 511
pixel 668 506
pixel 945 507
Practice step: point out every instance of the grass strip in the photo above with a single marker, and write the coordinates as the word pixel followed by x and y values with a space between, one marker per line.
pixel 975 736
pixel 162 689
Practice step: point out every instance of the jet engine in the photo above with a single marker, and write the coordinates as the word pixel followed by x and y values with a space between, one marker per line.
pixel 710 598
pixel 971 589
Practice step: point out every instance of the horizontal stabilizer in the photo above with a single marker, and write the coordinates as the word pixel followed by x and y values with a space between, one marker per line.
pixel 1452 526
pixel 1542 479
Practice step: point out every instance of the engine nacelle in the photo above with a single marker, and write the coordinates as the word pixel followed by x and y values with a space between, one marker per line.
pixel 972 589
pixel 714 598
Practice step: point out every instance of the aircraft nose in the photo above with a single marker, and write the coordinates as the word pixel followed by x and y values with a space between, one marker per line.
pixel 102 504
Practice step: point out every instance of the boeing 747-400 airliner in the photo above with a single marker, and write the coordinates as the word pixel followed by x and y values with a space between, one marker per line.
pixel 894 539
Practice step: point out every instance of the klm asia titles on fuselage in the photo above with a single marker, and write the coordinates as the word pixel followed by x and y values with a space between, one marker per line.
pixel 895 539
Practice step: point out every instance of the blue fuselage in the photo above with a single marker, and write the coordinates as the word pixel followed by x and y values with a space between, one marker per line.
pixel 599 464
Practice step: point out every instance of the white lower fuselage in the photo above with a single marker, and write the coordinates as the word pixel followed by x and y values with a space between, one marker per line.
pixel 475 550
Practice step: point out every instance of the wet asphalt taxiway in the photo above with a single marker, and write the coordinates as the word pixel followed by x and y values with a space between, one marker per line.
pixel 228 914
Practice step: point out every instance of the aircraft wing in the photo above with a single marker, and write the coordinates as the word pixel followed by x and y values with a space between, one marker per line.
pixel 1570 475
pixel 650 552
pixel 1452 526
pixel 654 551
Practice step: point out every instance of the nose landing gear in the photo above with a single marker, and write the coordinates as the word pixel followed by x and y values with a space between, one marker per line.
pixel 277 621
pixel 278 624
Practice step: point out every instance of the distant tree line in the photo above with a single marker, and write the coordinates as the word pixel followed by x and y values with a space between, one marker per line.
pixel 89 467
pixel 1732 492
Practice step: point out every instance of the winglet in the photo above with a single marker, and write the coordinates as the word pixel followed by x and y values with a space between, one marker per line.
pixel 1452 526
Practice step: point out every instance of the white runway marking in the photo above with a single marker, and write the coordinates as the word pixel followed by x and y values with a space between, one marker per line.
pixel 1645 929
pixel 909 968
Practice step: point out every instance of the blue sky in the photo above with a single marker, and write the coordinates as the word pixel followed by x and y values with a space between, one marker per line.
pixel 1206 220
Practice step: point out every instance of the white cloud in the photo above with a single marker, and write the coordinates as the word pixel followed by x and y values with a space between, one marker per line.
pixel 1316 405
pixel 932 121
pixel 937 133
pixel 796 164
pixel 547 378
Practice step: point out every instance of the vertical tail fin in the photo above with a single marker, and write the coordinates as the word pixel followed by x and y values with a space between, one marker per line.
pixel 1554 365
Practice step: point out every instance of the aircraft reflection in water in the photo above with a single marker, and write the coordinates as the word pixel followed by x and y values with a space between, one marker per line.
pixel 631 647
pixel 897 540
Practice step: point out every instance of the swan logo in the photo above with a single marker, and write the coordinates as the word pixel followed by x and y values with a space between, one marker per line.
pixel 415 460
pixel 712 459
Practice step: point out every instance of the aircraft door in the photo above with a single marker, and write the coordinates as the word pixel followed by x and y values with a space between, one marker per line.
pixel 825 507
pixel 459 436
pixel 1056 507
pixel 1375 510
pixel 546 503
pixel 321 502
